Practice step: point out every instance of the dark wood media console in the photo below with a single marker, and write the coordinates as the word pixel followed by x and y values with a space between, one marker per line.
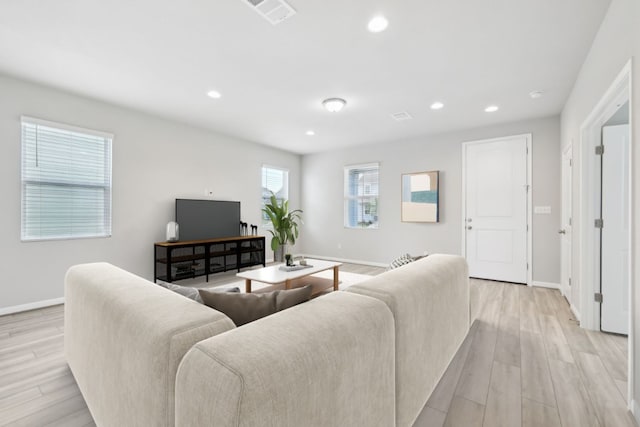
pixel 184 260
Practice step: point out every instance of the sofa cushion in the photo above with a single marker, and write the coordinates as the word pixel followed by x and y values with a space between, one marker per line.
pixel 192 293
pixel 245 308
pixel 328 362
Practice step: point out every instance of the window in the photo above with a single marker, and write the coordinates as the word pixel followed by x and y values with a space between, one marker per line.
pixel 66 181
pixel 361 196
pixel 274 180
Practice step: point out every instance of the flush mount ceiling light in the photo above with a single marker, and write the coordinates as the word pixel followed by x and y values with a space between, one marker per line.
pixel 437 106
pixel 536 94
pixel 334 105
pixel 310 133
pixel 214 94
pixel 378 24
pixel 491 109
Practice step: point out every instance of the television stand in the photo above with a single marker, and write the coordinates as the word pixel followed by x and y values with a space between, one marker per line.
pixel 185 260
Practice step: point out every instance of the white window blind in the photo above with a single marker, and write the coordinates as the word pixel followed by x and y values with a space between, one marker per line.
pixel 274 180
pixel 66 181
pixel 361 183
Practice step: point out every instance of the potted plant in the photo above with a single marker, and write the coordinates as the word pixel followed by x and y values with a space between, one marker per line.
pixel 285 225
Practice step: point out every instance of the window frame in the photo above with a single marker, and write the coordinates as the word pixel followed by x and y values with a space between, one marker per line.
pixel 106 185
pixel 364 200
pixel 265 221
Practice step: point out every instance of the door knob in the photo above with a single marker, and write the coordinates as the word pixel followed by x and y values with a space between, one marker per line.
pixel 563 231
pixel 468 219
pixel 469 228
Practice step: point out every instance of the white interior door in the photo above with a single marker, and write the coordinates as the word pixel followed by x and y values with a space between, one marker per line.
pixel 565 230
pixel 615 232
pixel 496 208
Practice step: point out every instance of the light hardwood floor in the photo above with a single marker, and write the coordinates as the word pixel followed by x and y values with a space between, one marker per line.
pixel 525 362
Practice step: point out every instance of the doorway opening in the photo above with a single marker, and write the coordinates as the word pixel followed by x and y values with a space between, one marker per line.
pixel 597 202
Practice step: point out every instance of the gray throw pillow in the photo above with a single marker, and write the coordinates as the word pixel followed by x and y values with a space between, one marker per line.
pixel 245 308
pixel 291 297
pixel 192 293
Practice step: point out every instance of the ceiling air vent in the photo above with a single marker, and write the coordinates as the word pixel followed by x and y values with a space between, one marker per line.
pixel 401 116
pixel 274 11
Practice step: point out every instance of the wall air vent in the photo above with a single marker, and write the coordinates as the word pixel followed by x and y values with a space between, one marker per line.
pixel 401 116
pixel 274 11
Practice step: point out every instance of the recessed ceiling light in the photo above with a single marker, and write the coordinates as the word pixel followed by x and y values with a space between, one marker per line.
pixel 214 94
pixel 378 24
pixel 310 132
pixel 491 109
pixel 437 106
pixel 536 94
pixel 334 104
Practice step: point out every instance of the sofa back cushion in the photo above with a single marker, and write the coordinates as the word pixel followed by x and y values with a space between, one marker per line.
pixel 327 362
pixel 429 299
pixel 124 338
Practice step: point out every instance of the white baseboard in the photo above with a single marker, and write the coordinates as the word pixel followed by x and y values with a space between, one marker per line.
pixel 31 306
pixel 350 261
pixel 575 311
pixel 546 284
pixel 635 410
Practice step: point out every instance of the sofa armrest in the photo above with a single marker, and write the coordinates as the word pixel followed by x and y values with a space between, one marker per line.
pixel 429 300
pixel 327 362
pixel 124 338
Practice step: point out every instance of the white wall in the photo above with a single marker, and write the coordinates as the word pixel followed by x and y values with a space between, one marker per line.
pixel 617 41
pixel 322 197
pixel 154 162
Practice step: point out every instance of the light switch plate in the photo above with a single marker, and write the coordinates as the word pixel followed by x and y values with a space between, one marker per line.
pixel 542 210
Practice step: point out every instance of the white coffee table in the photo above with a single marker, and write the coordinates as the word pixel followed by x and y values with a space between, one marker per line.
pixel 272 274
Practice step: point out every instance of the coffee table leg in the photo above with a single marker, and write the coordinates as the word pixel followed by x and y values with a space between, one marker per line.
pixel 287 284
pixel 336 281
pixel 247 285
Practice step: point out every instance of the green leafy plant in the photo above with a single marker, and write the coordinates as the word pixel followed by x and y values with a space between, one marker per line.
pixel 285 223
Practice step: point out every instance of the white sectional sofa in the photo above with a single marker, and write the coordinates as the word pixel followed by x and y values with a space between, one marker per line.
pixel 145 356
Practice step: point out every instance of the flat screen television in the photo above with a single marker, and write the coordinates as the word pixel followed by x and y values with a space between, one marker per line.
pixel 207 219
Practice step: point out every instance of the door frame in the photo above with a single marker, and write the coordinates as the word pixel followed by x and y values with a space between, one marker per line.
pixel 566 266
pixel 618 92
pixel 528 139
pixel 589 236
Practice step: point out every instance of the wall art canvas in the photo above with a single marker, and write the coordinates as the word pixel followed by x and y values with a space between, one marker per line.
pixel 420 197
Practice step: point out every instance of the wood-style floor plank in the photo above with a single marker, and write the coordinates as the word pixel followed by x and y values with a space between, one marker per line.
pixel 536 414
pixel 476 374
pixel 508 340
pixel 574 404
pixel 603 391
pixel 614 360
pixel 430 417
pixel 441 397
pixel 503 408
pixel 536 379
pixel 529 321
pixel 464 413
pixel 554 339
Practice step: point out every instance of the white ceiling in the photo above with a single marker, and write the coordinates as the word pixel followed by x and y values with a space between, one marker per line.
pixel 162 56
